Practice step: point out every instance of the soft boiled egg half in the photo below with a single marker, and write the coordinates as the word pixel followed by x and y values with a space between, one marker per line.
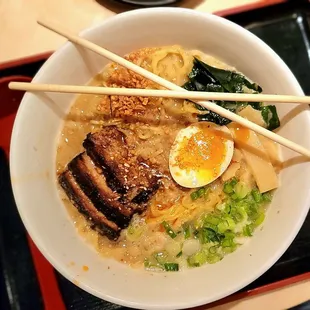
pixel 200 154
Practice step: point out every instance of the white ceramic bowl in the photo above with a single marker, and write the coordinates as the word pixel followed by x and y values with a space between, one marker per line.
pixel 33 149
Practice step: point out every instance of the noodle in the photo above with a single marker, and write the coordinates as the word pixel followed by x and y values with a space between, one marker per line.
pixel 154 122
pixel 172 63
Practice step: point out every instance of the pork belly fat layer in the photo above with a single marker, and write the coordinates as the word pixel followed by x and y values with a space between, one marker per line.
pixel 108 149
pixel 94 186
pixel 107 183
pixel 127 175
pixel 86 207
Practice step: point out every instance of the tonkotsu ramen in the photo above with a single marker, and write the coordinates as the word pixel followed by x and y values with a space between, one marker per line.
pixel 164 183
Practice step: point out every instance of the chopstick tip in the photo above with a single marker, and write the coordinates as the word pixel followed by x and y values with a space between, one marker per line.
pixel 11 85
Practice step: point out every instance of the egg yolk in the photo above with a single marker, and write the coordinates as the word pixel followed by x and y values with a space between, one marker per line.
pixel 205 150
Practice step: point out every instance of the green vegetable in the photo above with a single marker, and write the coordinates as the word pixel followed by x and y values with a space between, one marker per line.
pixel 248 230
pixel 206 255
pixel 171 266
pixel 152 266
pixel 241 190
pixel 227 242
pixel 267 197
pixel 198 259
pixel 259 220
pixel 227 209
pixel 241 212
pixel 210 79
pixel 227 224
pixel 207 235
pixel 234 196
pixel 270 116
pixel 214 258
pixel 230 81
pixel 229 235
pixel 169 230
pixel 229 249
pixel 257 196
pixel 160 263
pixel 213 118
pixel 161 257
pixel 194 195
pixel 213 249
pixel 187 230
pixel 134 231
pixel 229 186
pixel 211 220
pixel 199 193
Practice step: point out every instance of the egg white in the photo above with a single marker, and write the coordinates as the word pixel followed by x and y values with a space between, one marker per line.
pixel 192 178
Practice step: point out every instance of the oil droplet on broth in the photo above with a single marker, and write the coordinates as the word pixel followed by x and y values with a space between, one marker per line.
pixel 242 134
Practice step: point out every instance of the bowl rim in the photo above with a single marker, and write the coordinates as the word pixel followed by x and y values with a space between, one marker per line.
pixel 66 272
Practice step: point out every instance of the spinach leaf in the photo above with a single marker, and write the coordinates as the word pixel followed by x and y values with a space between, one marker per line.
pixel 270 116
pixel 231 81
pixel 206 78
pixel 214 118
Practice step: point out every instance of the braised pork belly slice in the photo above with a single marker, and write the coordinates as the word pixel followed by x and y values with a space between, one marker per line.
pixel 94 185
pixel 129 176
pixel 107 183
pixel 86 207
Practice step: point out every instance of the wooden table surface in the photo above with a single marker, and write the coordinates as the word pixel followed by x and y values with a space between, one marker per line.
pixel 21 37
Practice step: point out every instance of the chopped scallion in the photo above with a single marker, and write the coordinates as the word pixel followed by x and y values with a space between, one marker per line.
pixel 213 249
pixel 227 208
pixel 134 232
pixel 203 191
pixel 267 197
pixel 187 229
pixel 197 259
pixel 229 235
pixel 259 220
pixel 227 242
pixel 212 219
pixel 223 226
pixel 151 266
pixel 194 195
pixel 257 196
pixel 169 230
pixel 241 190
pixel 171 266
pixel 213 258
pixel 229 186
pixel 248 230
pixel 161 257
pixel 207 234
pixel 229 249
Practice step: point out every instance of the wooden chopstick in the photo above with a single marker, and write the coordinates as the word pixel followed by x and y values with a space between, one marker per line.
pixel 191 95
pixel 155 78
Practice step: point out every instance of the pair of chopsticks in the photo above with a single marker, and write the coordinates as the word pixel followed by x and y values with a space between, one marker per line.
pixel 173 91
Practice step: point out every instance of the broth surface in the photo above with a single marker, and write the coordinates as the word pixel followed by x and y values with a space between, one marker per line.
pixel 153 124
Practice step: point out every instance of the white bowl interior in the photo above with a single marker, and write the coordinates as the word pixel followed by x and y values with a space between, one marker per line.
pixel 33 152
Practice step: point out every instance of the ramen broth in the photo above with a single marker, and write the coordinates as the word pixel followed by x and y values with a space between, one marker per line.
pixel 154 124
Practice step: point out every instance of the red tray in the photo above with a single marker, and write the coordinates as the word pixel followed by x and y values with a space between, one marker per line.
pixel 248 7
pixel 45 272
pixel 46 275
